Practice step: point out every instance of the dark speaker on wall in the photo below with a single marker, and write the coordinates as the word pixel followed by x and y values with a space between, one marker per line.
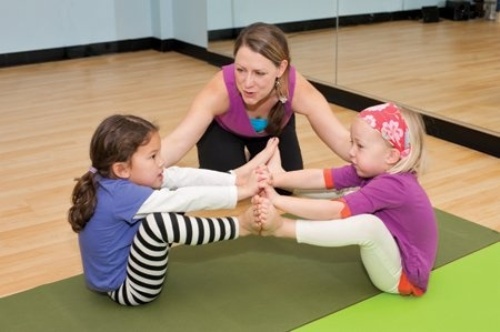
pixel 457 10
pixel 430 14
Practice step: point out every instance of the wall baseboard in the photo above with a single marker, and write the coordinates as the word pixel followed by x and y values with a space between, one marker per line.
pixel 455 133
pixel 326 23
pixel 78 51
pixel 449 131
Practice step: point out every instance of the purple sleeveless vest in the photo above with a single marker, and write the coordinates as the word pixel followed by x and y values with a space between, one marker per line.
pixel 236 120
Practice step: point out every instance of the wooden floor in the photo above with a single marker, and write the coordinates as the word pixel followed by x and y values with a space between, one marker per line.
pixel 450 69
pixel 49 112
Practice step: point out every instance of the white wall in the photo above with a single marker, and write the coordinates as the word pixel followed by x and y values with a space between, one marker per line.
pixel 43 24
pixel 162 19
pixel 27 25
pixel 220 14
pixel 190 21
pixel 281 11
pixel 225 14
pixel 355 7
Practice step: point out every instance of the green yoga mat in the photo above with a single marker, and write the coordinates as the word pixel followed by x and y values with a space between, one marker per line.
pixel 249 284
pixel 464 298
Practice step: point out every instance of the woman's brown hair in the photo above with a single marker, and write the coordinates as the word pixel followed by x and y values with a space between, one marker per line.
pixel 269 41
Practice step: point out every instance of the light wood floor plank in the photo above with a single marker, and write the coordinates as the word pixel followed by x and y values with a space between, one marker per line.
pixel 49 112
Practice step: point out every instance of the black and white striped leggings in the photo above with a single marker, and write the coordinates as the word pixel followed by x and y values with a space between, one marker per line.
pixel 148 259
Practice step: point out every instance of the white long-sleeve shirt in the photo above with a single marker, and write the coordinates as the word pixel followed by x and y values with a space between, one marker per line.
pixel 187 189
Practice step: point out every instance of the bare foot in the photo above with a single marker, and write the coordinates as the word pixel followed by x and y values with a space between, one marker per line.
pixel 269 218
pixel 274 163
pixel 262 158
pixel 265 155
pixel 249 222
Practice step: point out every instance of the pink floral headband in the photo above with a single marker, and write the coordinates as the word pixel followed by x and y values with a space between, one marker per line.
pixel 387 119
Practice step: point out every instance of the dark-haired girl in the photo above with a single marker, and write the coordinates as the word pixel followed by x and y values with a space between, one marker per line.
pixel 124 209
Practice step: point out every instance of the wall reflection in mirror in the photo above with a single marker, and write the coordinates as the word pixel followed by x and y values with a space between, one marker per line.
pixel 448 67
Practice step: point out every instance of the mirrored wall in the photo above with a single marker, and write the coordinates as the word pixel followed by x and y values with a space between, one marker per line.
pixel 449 69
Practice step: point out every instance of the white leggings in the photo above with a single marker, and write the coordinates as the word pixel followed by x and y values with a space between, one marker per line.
pixel 379 251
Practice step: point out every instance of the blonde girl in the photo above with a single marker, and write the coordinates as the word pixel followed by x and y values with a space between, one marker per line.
pixel 389 216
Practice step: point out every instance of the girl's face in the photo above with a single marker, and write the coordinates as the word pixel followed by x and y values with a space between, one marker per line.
pixel 146 165
pixel 370 154
pixel 255 75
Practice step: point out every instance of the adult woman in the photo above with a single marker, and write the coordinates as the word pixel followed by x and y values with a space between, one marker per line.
pixel 250 101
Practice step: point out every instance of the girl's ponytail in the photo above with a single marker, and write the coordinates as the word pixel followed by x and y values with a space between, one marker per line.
pixel 83 201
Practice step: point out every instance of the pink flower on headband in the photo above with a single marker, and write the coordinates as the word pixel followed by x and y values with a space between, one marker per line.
pixel 387 119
